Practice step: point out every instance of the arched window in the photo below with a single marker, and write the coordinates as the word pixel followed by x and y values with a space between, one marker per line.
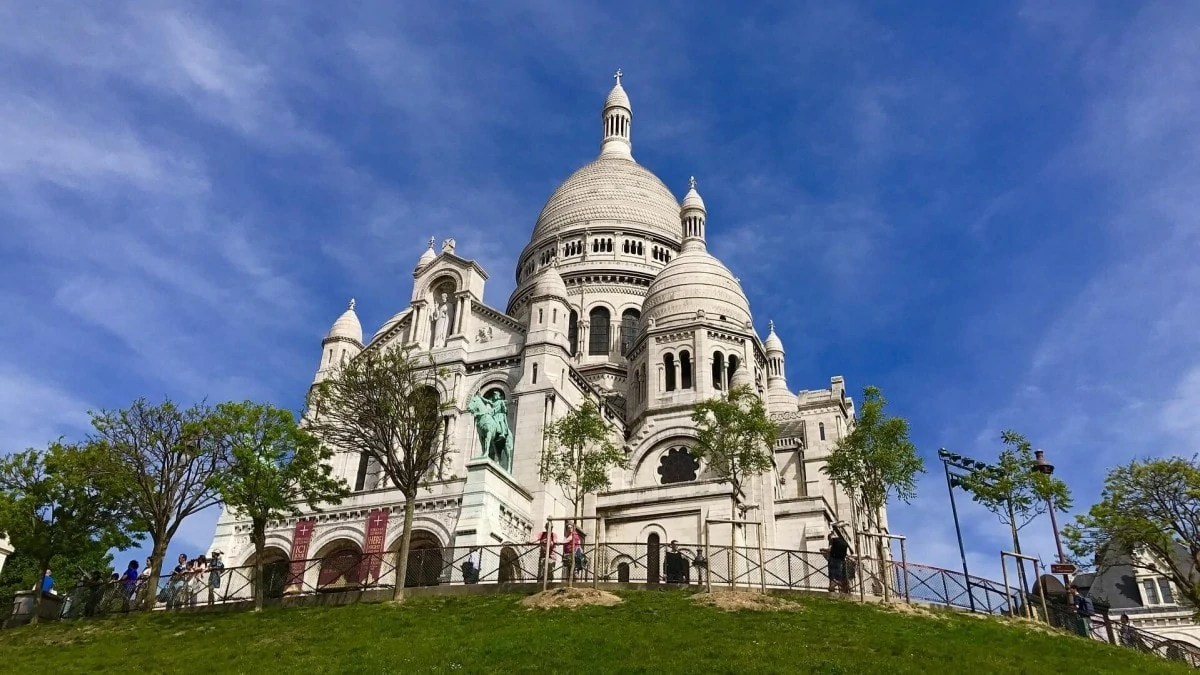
pixel 623 573
pixel 821 430
pixel 685 369
pixel 730 369
pixel 535 373
pixel 629 321
pixel 541 315
pixel 669 366
pixel 600 325
pixel 573 332
pixel 718 370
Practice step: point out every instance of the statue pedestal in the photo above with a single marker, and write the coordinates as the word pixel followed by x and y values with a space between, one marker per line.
pixel 495 509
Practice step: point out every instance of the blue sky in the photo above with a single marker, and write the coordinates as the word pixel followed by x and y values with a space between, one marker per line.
pixel 990 214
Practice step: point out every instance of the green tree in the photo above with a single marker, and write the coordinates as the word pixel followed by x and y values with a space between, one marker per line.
pixel 274 467
pixel 165 461
pixel 735 438
pixel 1149 510
pixel 384 403
pixel 1014 491
pixel 53 505
pixel 21 571
pixel 579 454
pixel 876 461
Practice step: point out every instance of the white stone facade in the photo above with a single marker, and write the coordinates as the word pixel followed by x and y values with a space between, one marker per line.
pixel 617 299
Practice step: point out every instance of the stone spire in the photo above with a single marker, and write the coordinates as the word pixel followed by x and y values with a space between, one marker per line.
pixel 618 118
pixel 692 215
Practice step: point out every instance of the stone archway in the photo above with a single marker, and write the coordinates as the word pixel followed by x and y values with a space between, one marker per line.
pixel 510 566
pixel 341 567
pixel 425 562
pixel 276 571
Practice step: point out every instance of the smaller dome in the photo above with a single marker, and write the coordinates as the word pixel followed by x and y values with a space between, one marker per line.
pixel 428 256
pixel 549 283
pixel 347 326
pixel 695 281
pixel 741 376
pixel 692 199
pixel 772 344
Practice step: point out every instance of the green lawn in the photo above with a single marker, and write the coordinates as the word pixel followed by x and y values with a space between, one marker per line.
pixel 652 631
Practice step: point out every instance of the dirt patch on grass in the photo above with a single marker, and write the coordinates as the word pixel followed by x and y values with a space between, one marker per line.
pixel 570 598
pixel 734 601
pixel 913 610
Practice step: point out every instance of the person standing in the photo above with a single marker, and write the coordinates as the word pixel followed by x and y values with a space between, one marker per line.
pixel 674 565
pixel 470 566
pixel 1084 609
pixel 837 551
pixel 177 585
pixel 547 540
pixel 47 584
pixel 571 549
pixel 215 567
pixel 129 584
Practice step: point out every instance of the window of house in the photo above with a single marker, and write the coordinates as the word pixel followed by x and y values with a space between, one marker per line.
pixel 669 367
pixel 1157 591
pixel 718 370
pixel 600 326
pixel 535 373
pixel 821 430
pixel 731 368
pixel 685 369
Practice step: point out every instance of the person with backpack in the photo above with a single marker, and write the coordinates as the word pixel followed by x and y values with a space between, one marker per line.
pixel 1084 609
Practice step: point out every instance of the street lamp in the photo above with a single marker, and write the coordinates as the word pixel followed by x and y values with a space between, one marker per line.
pixel 946 458
pixel 1045 468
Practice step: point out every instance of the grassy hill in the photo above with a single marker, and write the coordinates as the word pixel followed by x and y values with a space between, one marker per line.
pixel 649 632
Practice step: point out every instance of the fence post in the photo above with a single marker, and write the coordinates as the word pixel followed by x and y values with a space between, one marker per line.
pixel 904 570
pixel 1108 628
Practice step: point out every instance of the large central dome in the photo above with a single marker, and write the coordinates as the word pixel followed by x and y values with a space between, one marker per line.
pixel 611 190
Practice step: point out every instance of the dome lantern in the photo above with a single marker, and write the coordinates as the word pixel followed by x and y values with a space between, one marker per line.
pixel 692 216
pixel 618 118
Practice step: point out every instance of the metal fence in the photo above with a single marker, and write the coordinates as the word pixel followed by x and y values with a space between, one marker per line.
pixel 634 563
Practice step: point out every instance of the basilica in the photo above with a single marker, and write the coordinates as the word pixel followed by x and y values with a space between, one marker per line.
pixel 618 300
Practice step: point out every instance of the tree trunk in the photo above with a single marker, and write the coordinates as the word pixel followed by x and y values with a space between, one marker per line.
pixel 402 554
pixel 1012 523
pixel 575 526
pixel 157 553
pixel 259 538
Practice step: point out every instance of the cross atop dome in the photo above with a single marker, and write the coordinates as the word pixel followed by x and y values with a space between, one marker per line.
pixel 771 326
pixel 617 76
pixel 351 307
pixel 691 182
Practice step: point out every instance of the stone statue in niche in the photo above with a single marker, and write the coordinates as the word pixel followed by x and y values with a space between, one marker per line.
pixel 441 323
pixel 491 423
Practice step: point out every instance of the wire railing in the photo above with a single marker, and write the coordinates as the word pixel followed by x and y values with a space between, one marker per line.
pixel 350 572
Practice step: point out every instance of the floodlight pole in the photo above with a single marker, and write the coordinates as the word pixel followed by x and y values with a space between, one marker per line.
pixel 962 551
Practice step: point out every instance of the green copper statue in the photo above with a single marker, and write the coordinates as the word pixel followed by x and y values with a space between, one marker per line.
pixel 491 422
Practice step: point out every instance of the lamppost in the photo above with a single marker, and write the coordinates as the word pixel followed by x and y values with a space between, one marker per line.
pixel 947 458
pixel 1045 468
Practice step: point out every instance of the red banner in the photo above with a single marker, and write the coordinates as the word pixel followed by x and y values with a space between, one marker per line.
pixel 301 537
pixel 377 523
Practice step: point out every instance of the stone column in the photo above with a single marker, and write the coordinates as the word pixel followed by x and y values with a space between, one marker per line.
pixel 420 324
pixel 462 309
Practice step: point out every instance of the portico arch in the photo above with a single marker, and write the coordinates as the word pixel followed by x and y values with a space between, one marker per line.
pixel 340 566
